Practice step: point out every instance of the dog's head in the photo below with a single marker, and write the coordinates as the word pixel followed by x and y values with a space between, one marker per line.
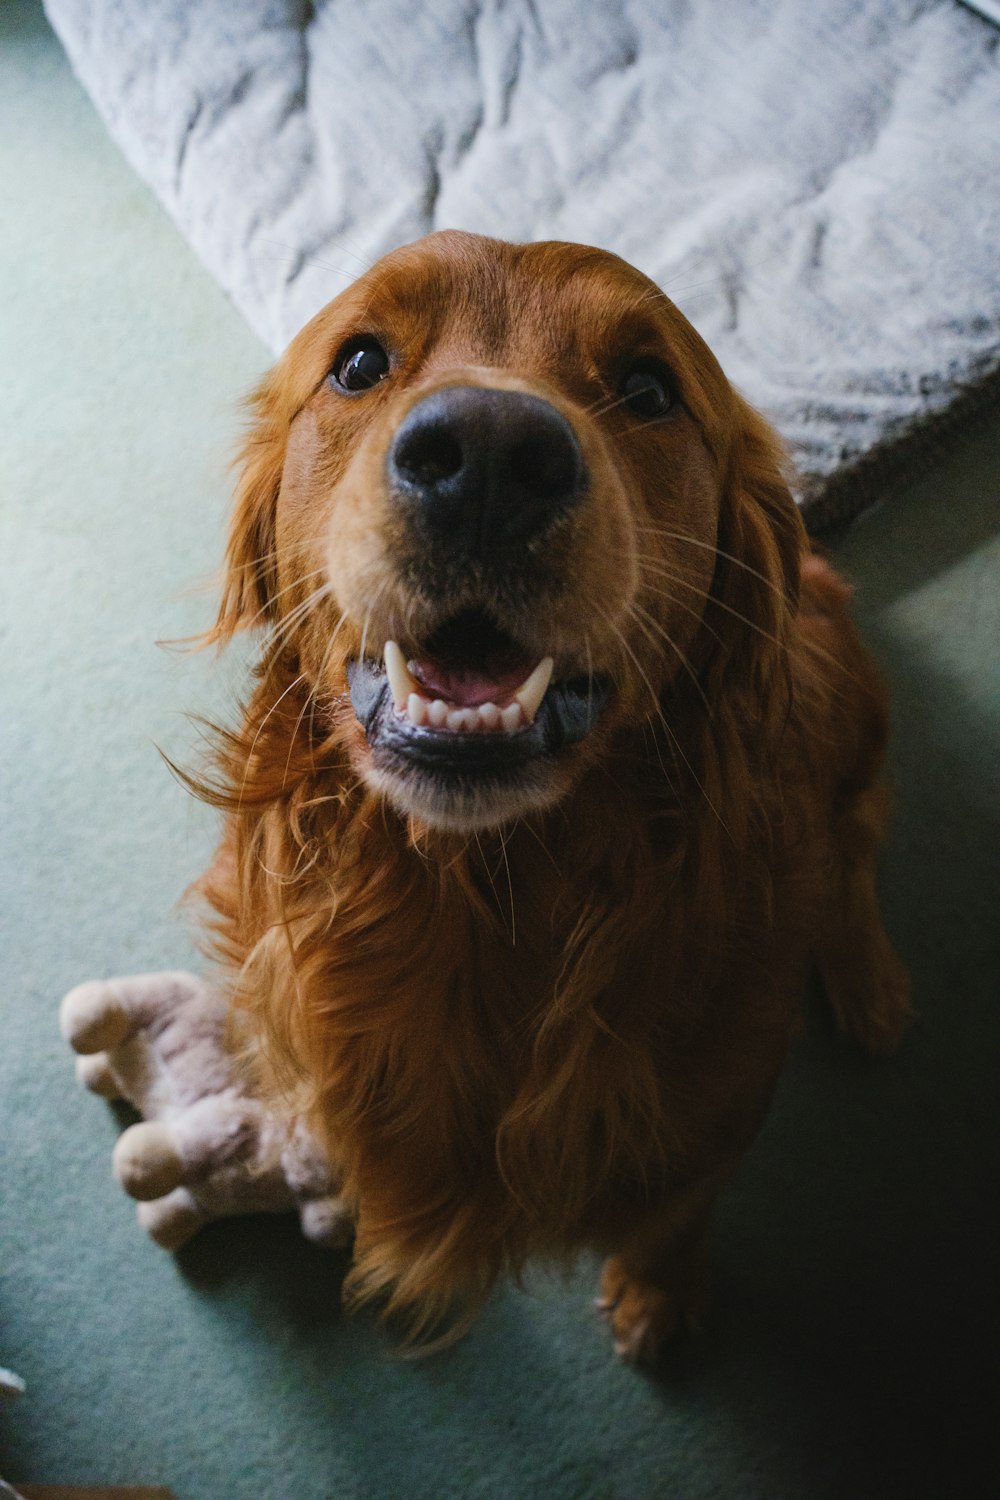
pixel 498 504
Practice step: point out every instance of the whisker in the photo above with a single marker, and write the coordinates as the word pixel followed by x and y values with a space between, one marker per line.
pixel 489 876
pixel 322 673
pixel 742 272
pixel 364 634
pixel 688 609
pixel 721 276
pixel 312 260
pixel 287 549
pixel 661 716
pixel 260 730
pixel 375 291
pixel 814 647
pixel 655 626
pixel 679 579
pixel 510 885
pixel 273 598
pixel 310 703
pixel 681 536
pixel 285 627
pixel 603 405
pixel 530 828
pixel 486 865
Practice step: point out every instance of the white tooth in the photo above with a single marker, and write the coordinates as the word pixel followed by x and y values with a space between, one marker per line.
pixel 456 718
pixel 532 690
pixel 437 712
pixel 401 680
pixel 489 716
pixel 416 708
pixel 512 717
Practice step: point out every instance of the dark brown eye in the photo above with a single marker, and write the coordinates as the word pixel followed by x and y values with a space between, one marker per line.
pixel 360 366
pixel 647 390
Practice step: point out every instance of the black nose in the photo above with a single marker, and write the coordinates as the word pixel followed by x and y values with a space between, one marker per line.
pixel 485 469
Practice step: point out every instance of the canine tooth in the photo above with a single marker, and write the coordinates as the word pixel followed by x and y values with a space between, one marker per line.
pixel 437 712
pixel 401 680
pixel 489 716
pixel 512 717
pixel 532 690
pixel 416 708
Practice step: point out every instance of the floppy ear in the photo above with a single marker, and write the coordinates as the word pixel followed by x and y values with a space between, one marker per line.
pixel 762 541
pixel 249 587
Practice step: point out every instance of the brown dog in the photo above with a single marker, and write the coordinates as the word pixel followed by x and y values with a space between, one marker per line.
pixel 559 773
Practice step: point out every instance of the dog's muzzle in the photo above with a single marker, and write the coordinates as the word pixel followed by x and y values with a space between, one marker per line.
pixel 471 712
pixel 482 478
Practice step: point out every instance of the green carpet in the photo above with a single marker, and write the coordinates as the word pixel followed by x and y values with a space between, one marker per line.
pixel 850 1348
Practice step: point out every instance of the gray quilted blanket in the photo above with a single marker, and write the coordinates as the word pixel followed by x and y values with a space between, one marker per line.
pixel 816 185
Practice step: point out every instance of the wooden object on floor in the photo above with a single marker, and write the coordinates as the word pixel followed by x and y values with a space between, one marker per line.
pixel 92 1492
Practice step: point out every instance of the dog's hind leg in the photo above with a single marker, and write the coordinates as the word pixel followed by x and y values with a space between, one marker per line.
pixel 865 980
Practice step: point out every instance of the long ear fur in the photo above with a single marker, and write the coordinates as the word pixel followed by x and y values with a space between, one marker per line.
pixel 754 595
pixel 249 584
pixel 731 729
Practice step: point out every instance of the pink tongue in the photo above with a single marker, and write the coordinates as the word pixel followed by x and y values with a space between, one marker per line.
pixel 465 687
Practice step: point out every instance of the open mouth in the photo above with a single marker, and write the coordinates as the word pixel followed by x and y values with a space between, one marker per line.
pixel 471 706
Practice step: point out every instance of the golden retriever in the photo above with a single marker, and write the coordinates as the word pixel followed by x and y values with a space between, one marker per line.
pixel 558 775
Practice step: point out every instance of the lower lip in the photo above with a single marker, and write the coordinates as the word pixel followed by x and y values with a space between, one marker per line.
pixel 454 753
pixel 563 718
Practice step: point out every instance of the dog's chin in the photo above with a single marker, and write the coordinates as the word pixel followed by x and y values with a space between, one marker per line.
pixel 469 781
pixel 464 809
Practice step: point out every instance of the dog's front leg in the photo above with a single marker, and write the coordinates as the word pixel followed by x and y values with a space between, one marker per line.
pixel 657 1283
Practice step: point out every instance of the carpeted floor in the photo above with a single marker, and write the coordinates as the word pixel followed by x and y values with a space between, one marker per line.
pixel 851 1351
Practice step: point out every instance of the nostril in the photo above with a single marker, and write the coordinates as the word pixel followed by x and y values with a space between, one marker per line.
pixel 545 465
pixel 428 455
pixel 479 468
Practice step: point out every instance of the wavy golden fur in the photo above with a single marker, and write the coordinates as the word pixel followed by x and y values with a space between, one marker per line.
pixel 560 1023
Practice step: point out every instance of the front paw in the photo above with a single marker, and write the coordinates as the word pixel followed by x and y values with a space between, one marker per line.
pixel 645 1317
pixel 870 994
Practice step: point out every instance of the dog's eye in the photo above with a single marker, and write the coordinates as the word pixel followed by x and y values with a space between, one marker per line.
pixel 363 364
pixel 646 390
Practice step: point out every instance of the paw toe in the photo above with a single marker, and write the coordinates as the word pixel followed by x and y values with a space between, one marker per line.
pixel 327 1221
pixel 92 1018
pixel 95 1073
pixel 146 1162
pixel 643 1322
pixel 638 1344
pixel 645 1317
pixel 171 1221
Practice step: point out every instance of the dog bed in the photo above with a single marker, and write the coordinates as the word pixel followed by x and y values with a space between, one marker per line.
pixel 816 187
